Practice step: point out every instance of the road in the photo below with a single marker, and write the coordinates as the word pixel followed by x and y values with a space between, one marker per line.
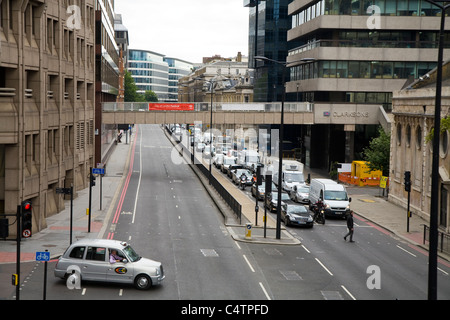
pixel 167 215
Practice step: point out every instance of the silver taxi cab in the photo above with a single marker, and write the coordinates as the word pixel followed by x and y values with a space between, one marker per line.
pixel 109 261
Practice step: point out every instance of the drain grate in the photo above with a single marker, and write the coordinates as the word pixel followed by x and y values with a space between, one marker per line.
pixel 209 252
pixel 291 275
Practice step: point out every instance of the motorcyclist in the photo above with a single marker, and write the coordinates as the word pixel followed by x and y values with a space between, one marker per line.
pixel 319 205
pixel 243 179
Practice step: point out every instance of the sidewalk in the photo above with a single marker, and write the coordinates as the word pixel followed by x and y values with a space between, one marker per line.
pixel 56 237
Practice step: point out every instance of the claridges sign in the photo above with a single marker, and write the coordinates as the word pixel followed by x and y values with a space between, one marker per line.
pixel 346 113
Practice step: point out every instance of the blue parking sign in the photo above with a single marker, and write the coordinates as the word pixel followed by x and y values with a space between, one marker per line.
pixel 43 256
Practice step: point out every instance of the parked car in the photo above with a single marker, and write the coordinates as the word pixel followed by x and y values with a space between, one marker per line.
pixel 236 176
pixel 261 189
pixel 300 194
pixel 109 261
pixel 271 200
pixel 296 214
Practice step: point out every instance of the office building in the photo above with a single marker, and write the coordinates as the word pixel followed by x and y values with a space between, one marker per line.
pixel 106 77
pixel 158 73
pixel 268 26
pixel 362 56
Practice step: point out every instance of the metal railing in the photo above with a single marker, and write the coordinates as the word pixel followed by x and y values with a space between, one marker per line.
pixel 443 239
pixel 235 206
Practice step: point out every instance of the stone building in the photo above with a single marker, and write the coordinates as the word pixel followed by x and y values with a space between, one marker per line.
pixel 47 94
pixel 411 147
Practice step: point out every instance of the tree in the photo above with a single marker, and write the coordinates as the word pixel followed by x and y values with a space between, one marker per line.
pixel 131 94
pixel 150 96
pixel 378 152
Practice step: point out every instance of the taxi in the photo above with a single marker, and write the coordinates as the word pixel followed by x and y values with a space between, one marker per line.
pixel 108 261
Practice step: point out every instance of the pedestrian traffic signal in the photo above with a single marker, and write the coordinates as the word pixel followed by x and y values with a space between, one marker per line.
pixel 27 218
pixel 407 181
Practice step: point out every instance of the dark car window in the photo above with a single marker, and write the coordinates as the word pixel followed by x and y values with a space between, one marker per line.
pixel 96 253
pixel 77 252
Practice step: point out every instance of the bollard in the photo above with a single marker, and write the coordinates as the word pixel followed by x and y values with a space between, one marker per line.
pixel 248 231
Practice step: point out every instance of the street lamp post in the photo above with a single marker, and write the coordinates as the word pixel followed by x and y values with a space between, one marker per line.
pixel 280 144
pixel 434 206
pixel 211 82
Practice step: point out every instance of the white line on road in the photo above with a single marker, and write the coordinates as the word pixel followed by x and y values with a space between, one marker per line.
pixel 140 177
pixel 264 290
pixel 248 262
pixel 83 292
pixel 406 251
pixel 324 267
pixel 306 249
pixel 348 292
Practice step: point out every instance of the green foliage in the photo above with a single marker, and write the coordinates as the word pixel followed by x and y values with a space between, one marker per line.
pixel 131 94
pixel 378 151
pixel 445 125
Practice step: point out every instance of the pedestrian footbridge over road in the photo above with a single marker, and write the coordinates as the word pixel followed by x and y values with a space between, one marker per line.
pixel 348 114
pixel 248 113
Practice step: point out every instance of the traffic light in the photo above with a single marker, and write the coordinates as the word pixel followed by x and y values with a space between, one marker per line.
pixel 407 181
pixel 4 231
pixel 27 218
pixel 92 179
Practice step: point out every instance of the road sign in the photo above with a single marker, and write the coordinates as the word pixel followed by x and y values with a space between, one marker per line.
pixel 98 170
pixel 43 256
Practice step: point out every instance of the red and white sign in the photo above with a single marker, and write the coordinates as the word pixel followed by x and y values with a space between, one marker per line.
pixel 171 106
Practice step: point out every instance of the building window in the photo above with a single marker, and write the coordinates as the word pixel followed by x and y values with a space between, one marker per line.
pixel 399 134
pixel 419 137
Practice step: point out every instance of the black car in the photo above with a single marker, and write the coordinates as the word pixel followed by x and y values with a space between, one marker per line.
pixel 295 214
pixel 271 200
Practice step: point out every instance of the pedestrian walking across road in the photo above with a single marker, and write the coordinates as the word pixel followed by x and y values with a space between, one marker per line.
pixel 349 226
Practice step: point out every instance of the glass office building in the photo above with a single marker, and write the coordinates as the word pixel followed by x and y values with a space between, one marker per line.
pixel 150 72
pixel 153 71
pixel 268 26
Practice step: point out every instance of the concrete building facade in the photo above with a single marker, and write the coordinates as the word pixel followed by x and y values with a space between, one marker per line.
pixel 47 61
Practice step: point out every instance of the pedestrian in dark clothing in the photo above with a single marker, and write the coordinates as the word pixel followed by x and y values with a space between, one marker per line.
pixel 349 226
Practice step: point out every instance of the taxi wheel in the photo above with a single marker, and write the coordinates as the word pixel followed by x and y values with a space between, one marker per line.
pixel 142 282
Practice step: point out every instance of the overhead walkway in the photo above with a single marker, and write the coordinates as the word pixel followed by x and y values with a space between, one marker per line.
pixel 232 113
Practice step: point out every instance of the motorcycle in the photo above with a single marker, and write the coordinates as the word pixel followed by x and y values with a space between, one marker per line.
pixel 319 214
pixel 243 181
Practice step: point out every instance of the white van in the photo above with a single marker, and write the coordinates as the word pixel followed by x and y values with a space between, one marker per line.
pixel 333 195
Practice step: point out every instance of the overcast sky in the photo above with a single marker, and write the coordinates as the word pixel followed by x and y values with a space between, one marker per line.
pixel 186 29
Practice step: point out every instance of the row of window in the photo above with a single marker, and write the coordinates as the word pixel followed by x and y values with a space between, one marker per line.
pixel 361 69
pixel 361 7
pixel 444 141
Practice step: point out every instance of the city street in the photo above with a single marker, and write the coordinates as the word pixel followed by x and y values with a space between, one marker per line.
pixel 166 214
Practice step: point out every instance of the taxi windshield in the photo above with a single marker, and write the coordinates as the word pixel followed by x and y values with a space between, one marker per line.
pixel 131 254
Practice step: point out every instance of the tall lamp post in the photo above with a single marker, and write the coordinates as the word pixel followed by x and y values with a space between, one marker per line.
pixel 280 146
pixel 211 82
pixel 434 206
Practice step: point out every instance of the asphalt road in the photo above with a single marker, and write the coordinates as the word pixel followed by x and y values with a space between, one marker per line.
pixel 168 216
